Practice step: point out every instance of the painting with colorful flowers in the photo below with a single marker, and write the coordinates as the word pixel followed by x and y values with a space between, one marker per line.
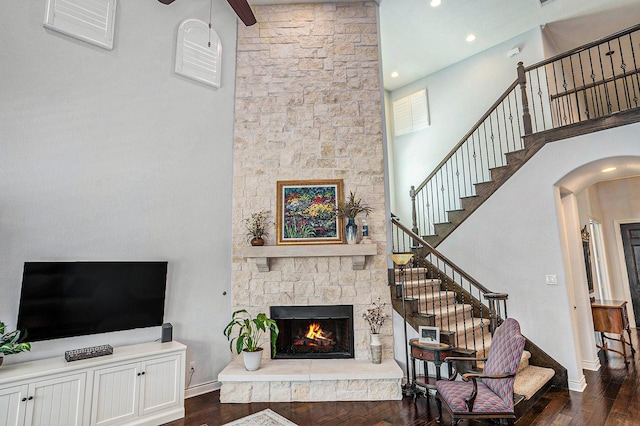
pixel 307 212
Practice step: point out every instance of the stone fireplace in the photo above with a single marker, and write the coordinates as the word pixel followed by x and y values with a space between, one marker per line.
pixel 314 332
pixel 308 107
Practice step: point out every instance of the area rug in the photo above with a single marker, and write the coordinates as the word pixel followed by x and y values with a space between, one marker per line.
pixel 262 418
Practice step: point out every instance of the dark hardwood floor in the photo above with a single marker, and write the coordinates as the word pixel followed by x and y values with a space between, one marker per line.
pixel 612 397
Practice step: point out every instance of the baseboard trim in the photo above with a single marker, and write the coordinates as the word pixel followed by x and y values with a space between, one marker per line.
pixel 201 389
pixel 579 385
pixel 591 365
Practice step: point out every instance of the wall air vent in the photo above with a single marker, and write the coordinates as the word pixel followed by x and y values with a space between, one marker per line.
pixel 410 113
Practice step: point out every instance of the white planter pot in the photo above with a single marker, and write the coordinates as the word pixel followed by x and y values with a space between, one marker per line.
pixel 252 359
pixel 376 348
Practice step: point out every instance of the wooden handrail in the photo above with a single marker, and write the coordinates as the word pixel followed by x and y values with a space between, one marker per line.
pixel 440 256
pixel 583 47
pixel 593 85
pixel 468 134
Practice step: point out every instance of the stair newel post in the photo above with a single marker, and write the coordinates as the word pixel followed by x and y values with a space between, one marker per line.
pixel 414 218
pixel 495 311
pixel 414 211
pixel 526 117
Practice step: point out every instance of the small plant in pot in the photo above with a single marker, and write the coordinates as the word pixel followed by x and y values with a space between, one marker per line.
pixel 12 343
pixel 248 331
pixel 257 227
pixel 350 209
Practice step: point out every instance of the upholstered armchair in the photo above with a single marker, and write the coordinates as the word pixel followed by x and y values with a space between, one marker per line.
pixel 488 394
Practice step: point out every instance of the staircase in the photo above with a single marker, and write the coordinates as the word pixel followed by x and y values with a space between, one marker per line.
pixel 582 91
pixel 430 303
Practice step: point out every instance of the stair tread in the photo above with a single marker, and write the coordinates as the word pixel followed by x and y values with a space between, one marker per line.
pixel 531 379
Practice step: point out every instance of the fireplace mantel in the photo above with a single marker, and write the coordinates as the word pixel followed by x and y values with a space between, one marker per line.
pixel 357 252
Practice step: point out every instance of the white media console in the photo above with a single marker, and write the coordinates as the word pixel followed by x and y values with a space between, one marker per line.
pixel 137 385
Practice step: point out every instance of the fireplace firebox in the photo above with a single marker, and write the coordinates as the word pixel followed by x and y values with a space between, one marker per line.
pixel 314 332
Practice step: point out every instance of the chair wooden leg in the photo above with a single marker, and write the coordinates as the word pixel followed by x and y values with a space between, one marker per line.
pixel 439 404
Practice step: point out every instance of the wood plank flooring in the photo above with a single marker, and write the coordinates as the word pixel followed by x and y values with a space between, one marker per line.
pixel 612 397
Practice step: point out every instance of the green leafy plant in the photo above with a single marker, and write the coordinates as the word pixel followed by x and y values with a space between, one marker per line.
pixel 11 343
pixel 257 225
pixel 352 207
pixel 249 331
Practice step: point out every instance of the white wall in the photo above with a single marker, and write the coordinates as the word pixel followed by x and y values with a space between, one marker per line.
pixel 457 96
pixel 522 241
pixel 620 203
pixel 108 155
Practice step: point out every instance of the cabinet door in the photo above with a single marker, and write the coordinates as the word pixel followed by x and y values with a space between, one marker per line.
pixel 13 402
pixel 115 394
pixel 56 402
pixel 159 385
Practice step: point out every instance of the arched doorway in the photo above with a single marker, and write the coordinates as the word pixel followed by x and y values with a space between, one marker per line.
pixel 600 191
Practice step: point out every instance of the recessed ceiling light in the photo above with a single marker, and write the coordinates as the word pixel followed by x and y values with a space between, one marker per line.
pixel 435 3
pixel 470 37
pixel 608 169
pixel 394 74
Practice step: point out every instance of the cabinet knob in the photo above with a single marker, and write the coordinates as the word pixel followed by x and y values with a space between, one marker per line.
pixel 142 373
pixel 30 398
pixel 23 399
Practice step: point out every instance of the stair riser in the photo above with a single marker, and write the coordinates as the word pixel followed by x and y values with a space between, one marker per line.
pixel 424 283
pixel 448 320
pixel 433 300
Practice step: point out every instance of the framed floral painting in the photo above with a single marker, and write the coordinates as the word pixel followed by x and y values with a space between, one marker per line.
pixel 306 212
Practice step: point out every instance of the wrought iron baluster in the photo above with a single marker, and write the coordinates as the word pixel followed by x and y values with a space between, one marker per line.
pixel 575 87
pixel 625 83
pixel 613 75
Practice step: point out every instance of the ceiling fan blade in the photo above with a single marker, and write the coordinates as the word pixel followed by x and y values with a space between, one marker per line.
pixel 243 10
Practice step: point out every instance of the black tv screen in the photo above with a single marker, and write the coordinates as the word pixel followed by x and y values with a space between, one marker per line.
pixel 66 299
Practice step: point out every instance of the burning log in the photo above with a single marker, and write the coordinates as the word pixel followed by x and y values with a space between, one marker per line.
pixel 316 337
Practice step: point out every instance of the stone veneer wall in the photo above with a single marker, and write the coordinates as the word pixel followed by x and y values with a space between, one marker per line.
pixel 308 106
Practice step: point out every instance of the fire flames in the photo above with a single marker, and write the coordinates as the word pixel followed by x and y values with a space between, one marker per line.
pixel 315 337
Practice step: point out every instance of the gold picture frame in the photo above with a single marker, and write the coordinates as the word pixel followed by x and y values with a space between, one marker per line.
pixel 306 212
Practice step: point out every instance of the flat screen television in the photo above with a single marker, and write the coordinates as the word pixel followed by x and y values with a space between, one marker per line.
pixel 66 299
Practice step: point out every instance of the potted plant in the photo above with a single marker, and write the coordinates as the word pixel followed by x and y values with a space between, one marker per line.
pixel 257 227
pixel 350 209
pixel 248 331
pixel 11 343
pixel 376 316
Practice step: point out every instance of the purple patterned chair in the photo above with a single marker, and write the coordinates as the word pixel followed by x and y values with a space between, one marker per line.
pixel 489 394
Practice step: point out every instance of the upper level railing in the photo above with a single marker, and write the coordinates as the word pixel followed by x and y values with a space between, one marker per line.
pixel 443 290
pixel 594 80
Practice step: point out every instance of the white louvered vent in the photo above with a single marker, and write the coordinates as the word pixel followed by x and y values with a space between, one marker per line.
pixel 195 59
pixel 410 113
pixel 88 20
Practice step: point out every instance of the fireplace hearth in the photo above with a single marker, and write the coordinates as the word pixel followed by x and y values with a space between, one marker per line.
pixel 314 332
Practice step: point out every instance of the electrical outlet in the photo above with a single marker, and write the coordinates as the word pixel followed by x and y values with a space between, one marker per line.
pixel 551 279
pixel 192 366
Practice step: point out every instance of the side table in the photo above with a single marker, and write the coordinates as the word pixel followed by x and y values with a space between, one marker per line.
pixel 610 316
pixel 428 352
